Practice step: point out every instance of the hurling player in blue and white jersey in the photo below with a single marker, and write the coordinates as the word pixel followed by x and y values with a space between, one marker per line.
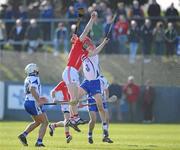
pixel 95 86
pixel 33 105
pixel 93 109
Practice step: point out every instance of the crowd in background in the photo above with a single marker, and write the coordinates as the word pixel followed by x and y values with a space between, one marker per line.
pixel 133 100
pixel 135 30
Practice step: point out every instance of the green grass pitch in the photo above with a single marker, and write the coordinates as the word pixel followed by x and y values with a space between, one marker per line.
pixel 125 137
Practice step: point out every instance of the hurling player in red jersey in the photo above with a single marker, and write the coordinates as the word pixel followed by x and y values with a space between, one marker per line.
pixel 82 46
pixel 70 74
pixel 60 93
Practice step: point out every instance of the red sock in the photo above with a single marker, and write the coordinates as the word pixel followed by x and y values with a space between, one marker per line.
pixel 76 116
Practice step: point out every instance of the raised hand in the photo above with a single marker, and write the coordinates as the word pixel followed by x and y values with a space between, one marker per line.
pixel 94 15
pixel 74 102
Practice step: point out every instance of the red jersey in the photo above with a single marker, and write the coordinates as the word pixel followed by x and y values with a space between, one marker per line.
pixel 76 54
pixel 63 88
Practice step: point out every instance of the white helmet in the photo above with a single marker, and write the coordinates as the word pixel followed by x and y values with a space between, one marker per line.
pixel 31 69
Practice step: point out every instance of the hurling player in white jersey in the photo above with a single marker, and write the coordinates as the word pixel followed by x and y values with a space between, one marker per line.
pixel 91 70
pixel 33 105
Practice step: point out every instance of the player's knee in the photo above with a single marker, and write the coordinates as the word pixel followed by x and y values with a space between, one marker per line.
pixel 100 107
pixel 98 99
pixel 45 123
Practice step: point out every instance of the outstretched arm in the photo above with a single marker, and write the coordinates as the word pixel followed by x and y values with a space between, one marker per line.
pixel 89 25
pixel 99 48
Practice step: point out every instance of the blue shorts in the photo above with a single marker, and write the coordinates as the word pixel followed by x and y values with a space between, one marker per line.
pixel 32 108
pixel 93 107
pixel 92 87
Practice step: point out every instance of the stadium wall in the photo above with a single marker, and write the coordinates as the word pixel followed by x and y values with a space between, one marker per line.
pixel 166 106
pixel 1 100
pixel 14 109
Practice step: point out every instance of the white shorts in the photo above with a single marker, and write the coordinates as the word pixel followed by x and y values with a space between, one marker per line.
pixel 70 75
pixel 65 107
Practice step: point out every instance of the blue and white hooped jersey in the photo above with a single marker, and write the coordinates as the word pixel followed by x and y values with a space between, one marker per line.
pixel 91 67
pixel 31 81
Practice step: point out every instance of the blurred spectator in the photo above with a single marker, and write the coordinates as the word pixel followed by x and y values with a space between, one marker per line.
pixel 33 35
pixel 114 108
pixel 23 14
pixel 178 46
pixel 17 35
pixel 158 38
pixel 148 97
pixel 61 39
pixel 131 92
pixel 154 11
pixel 80 4
pixel 136 13
pixel 146 36
pixel 89 11
pixel 172 12
pixel 108 12
pixel 134 37
pixel 95 7
pixel 170 39
pixel 71 15
pixel 97 32
pixel 121 29
pixel 9 14
pixel 121 9
pixel 2 34
pixel 102 10
pixel 3 8
pixel 109 48
pixel 46 12
pixel 33 10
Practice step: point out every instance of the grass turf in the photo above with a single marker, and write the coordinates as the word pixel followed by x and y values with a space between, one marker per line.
pixel 125 137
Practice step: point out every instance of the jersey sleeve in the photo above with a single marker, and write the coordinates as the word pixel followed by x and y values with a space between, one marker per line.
pixel 33 82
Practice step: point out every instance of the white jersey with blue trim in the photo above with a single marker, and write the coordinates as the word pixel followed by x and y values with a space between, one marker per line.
pixel 31 81
pixel 91 67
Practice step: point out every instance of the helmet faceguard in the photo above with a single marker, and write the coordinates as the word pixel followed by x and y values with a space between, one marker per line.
pixel 31 69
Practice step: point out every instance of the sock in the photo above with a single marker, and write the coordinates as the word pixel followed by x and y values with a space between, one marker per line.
pixel 89 134
pixel 39 141
pixel 105 129
pixel 67 134
pixel 105 126
pixel 25 133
